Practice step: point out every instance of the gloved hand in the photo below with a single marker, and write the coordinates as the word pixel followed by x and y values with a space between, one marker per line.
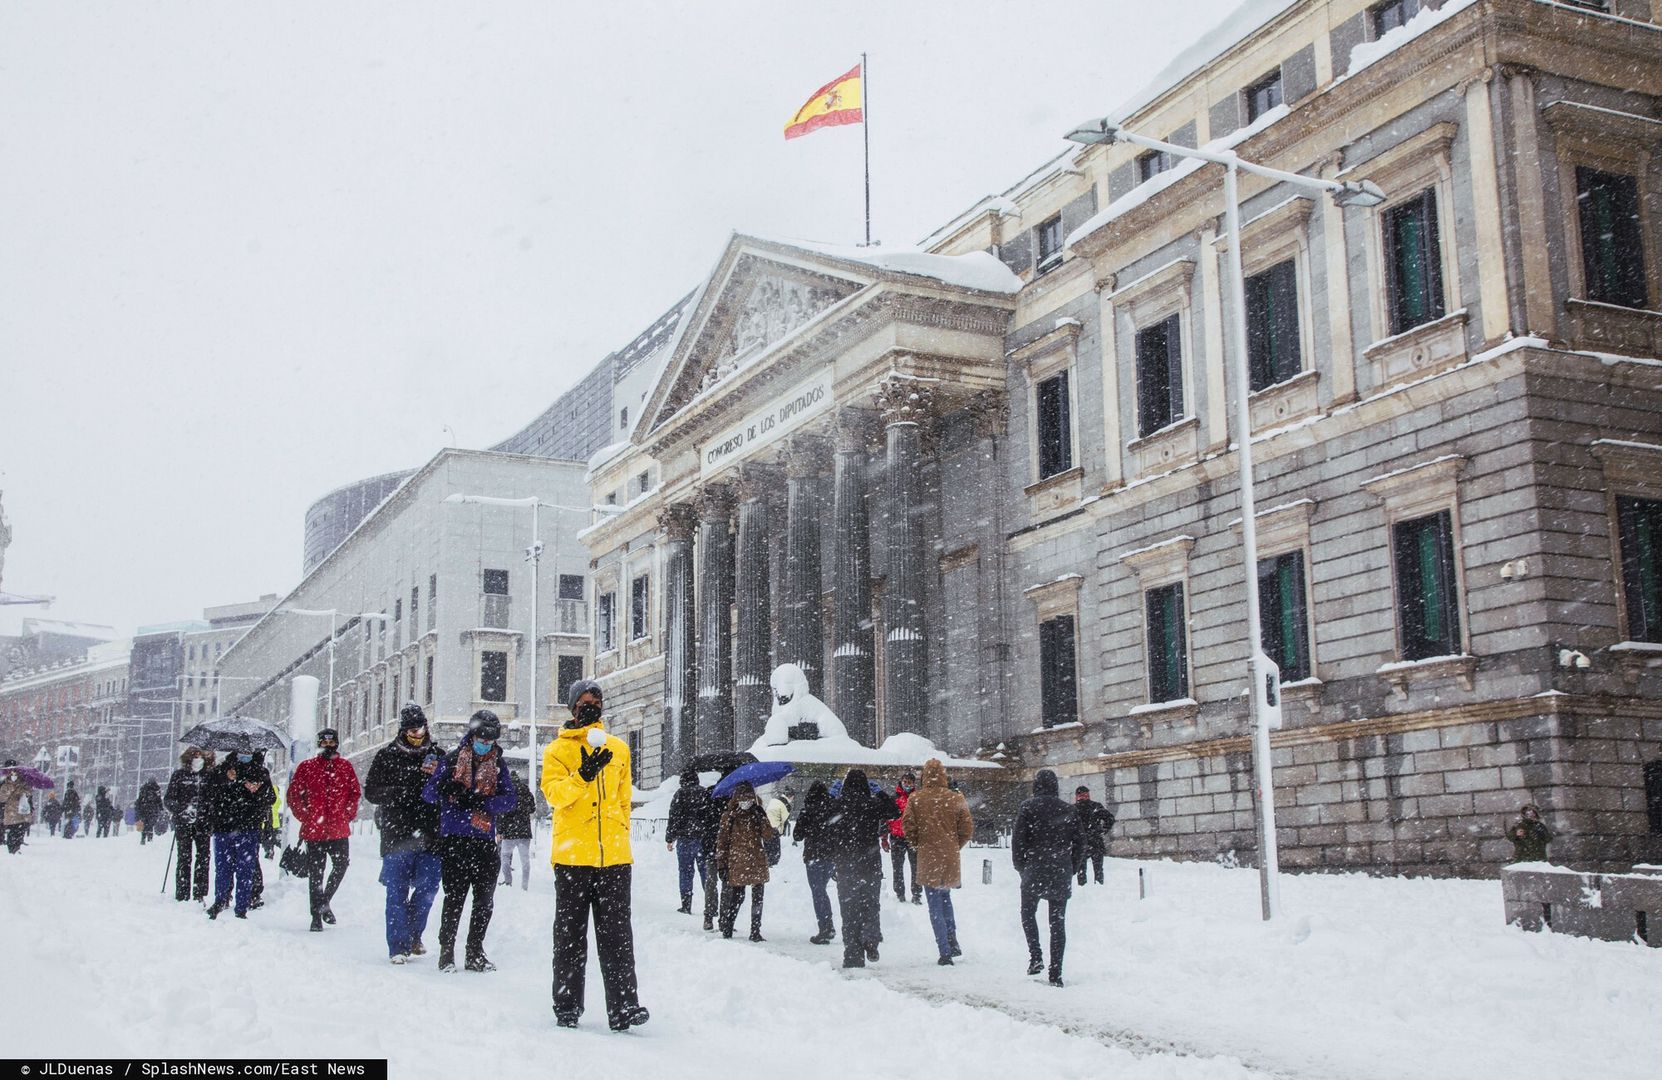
pixel 593 763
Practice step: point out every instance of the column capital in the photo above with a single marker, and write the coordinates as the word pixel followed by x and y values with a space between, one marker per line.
pixel 853 430
pixel 758 481
pixel 678 520
pixel 991 410
pixel 905 401
pixel 715 501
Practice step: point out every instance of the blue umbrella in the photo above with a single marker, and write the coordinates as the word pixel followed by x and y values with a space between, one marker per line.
pixel 755 773
pixel 837 788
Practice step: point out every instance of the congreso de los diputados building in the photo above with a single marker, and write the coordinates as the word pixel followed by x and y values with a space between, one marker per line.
pixel 987 489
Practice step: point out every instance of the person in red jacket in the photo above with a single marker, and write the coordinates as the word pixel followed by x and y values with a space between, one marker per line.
pixel 901 851
pixel 323 797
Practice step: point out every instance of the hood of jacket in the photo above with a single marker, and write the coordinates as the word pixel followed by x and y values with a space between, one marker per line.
pixel 934 775
pixel 1046 786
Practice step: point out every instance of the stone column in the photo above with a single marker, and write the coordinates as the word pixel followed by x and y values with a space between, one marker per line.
pixel 754 655
pixel 853 662
pixel 680 660
pixel 905 405
pixel 715 637
pixel 801 622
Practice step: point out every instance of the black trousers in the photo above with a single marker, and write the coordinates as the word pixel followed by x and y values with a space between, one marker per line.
pixel 732 898
pixel 1095 859
pixel 900 853
pixel 104 827
pixel 197 842
pixel 858 902
pixel 467 863
pixel 1058 912
pixel 317 852
pixel 606 891
pixel 14 837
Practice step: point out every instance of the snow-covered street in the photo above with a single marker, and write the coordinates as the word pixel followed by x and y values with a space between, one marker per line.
pixel 1365 978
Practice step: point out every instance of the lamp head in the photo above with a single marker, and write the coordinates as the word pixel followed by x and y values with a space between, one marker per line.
pixel 1360 193
pixel 1094 132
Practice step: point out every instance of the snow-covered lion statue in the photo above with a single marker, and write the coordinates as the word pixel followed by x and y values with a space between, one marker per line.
pixel 793 704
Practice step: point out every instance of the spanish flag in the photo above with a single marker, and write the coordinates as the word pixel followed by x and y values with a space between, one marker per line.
pixel 840 101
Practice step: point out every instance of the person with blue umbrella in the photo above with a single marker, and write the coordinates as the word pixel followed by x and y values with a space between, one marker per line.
pixel 741 858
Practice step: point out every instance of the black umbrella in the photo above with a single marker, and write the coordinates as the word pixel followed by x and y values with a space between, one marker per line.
pixel 721 761
pixel 235 733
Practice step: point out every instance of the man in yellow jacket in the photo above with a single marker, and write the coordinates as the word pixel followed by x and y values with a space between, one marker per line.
pixel 585 778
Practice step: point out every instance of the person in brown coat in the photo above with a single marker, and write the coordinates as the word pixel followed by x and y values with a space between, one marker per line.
pixel 742 859
pixel 938 824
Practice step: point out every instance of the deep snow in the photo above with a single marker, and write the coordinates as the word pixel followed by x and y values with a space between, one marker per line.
pixel 1364 978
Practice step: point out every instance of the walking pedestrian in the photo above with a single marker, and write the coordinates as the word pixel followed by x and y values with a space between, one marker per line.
pixel 71 810
pixel 585 778
pixel 52 813
pixel 409 828
pixel 814 832
pixel 860 822
pixel 1046 845
pixel 104 811
pixel 186 800
pixel 323 797
pixel 688 811
pixel 270 827
pixel 1529 835
pixel 470 788
pixel 901 852
pixel 513 832
pixel 1095 820
pixel 239 797
pixel 17 805
pixel 741 858
pixel 938 825
pixel 709 828
pixel 148 808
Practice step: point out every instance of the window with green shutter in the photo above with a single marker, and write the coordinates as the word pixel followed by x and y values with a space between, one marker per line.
pixel 1055 426
pixel 1414 262
pixel 1272 325
pixel 1612 243
pixel 1640 523
pixel 1159 375
pixel 1058 678
pixel 1168 650
pixel 1427 605
pixel 1282 614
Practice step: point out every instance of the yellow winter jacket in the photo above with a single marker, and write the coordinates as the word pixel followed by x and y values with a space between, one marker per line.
pixel 591 819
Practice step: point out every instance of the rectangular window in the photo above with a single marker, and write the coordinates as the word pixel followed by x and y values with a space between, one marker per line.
pixel 1055 427
pixel 380 702
pixel 1272 325
pixel 1283 615
pixel 1159 376
pixel 398 610
pixel 1414 262
pixel 495 583
pixel 1640 524
pixel 493 675
pixel 1612 245
pixel 432 601
pixel 642 482
pixel 639 599
pixel 635 756
pixel 1050 244
pixel 1058 677
pixel 1427 607
pixel 415 613
pixel 570 669
pixel 571 586
pixel 1390 15
pixel 1152 164
pixel 1263 95
pixel 623 417
pixel 395 691
pixel 603 628
pixel 1168 647
pixel 427 688
pixel 1653 795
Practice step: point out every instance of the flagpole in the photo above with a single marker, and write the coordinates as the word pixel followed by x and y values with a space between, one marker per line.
pixel 865 129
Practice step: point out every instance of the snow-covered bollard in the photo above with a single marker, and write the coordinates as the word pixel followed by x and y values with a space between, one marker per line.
pixel 1142 884
pixel 986 871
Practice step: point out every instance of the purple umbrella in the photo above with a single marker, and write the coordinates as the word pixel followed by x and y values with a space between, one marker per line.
pixel 34 777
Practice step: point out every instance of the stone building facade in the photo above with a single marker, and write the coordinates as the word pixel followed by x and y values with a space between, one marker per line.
pixel 1026 499
pixel 72 702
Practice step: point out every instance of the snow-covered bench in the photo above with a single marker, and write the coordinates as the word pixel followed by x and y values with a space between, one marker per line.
pixel 1611 907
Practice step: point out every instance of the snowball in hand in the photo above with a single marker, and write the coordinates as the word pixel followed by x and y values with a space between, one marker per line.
pixel 597 738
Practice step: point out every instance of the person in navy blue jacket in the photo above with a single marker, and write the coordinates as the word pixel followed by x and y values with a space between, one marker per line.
pixel 471 788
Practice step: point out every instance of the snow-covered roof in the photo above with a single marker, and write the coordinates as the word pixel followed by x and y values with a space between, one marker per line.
pixel 1240 24
pixel 975 270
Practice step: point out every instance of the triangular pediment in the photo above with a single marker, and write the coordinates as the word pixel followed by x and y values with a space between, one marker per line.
pixel 760 294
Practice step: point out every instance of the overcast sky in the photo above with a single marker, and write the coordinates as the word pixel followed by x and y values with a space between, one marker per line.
pixel 251 252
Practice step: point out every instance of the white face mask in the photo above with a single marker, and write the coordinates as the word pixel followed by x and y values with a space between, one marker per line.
pixel 746 804
pixel 195 764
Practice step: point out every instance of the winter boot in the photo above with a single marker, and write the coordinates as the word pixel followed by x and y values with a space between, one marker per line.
pixel 630 1016
pixel 480 963
pixel 401 958
pixel 756 935
pixel 823 937
pixel 871 953
pixel 417 948
pixel 952 948
pixel 565 1020
pixel 317 923
pixel 1035 964
pixel 709 922
pixel 447 961
pixel 945 961
pixel 215 909
pixel 328 915
pixel 1056 979
pixel 686 905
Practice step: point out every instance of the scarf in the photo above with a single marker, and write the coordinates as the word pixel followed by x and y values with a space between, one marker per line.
pixel 468 768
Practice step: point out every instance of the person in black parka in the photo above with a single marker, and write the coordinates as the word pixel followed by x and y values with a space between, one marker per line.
pixel 709 827
pixel 813 832
pixel 858 825
pixel 104 811
pixel 409 826
pixel 685 831
pixel 1047 846
pixel 1096 820
pixel 186 800
pixel 148 809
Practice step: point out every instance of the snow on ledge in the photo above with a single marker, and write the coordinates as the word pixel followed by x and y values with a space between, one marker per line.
pixel 1371 52
pixel 975 270
pixel 1408 469
pixel 1134 552
pixel 1164 706
pixel 1627 444
pixel 1637 647
pixel 1429 661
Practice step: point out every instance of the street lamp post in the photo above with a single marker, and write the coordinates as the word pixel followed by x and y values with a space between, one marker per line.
pixel 334 619
pixel 533 555
pixel 1263 674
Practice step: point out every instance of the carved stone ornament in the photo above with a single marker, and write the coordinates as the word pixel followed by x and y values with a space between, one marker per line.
pixel 905 401
pixel 678 520
pixel 775 307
